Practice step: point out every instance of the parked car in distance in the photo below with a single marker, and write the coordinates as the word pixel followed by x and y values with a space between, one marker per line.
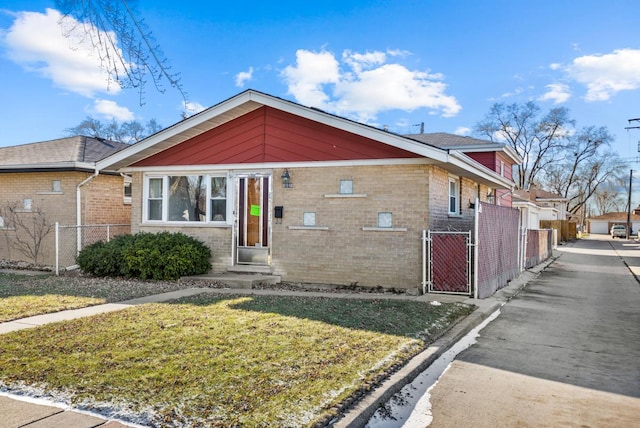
pixel 619 231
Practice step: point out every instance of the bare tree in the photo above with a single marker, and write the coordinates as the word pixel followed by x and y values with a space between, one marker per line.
pixel 537 140
pixel 28 228
pixel 126 132
pixel 585 165
pixel 608 197
pixel 126 48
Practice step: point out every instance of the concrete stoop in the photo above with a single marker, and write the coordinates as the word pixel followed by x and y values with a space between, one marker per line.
pixel 236 280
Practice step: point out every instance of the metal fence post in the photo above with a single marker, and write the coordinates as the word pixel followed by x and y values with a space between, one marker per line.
pixel 57 248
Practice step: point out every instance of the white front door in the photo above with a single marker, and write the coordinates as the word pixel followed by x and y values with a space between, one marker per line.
pixel 253 220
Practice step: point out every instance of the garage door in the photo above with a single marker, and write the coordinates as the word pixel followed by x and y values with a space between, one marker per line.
pixel 599 226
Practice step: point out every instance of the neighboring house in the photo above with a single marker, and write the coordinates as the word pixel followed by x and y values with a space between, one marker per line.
pixel 539 205
pixel 498 157
pixel 602 224
pixel 275 187
pixel 57 180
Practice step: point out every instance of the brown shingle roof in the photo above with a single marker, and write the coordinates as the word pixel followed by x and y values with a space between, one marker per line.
pixel 63 150
pixel 449 141
pixel 616 216
pixel 536 195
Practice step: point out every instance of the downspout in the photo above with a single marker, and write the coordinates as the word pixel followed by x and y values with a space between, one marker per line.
pixel 79 209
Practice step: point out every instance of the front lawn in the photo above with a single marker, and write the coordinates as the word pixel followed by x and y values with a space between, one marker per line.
pixel 213 360
pixel 25 295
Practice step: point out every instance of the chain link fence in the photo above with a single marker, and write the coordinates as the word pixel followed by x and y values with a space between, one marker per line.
pixel 70 240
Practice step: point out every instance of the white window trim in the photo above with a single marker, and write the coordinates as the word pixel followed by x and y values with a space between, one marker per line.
pixel 456 181
pixel 165 200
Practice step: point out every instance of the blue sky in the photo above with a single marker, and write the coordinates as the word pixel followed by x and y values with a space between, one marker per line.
pixel 386 63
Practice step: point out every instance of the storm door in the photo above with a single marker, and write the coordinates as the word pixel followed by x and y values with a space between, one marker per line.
pixel 253 221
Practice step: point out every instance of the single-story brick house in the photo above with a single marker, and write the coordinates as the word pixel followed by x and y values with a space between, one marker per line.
pixel 57 180
pixel 276 187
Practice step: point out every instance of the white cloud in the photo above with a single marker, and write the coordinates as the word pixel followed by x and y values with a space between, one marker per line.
pixel 311 73
pixel 193 107
pixel 243 77
pixel 364 85
pixel 462 130
pixel 606 75
pixel 556 92
pixel 37 43
pixel 111 110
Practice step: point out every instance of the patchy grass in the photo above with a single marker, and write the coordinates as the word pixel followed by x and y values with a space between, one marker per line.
pixel 16 307
pixel 27 295
pixel 221 361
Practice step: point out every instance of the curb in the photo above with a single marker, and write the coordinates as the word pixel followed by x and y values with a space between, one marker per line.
pixel 361 412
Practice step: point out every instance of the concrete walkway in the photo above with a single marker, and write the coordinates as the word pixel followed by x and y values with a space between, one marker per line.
pixel 564 352
pixel 17 411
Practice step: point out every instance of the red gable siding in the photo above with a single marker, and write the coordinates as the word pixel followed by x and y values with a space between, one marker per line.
pixel 487 159
pixel 270 135
pixel 492 161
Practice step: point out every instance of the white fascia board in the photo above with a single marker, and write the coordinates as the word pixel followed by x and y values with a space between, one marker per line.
pixel 273 165
pixel 492 147
pixel 478 170
pixel 50 166
pixel 518 204
pixel 517 159
pixel 175 129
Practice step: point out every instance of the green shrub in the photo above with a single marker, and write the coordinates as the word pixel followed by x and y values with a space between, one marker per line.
pixel 105 258
pixel 159 256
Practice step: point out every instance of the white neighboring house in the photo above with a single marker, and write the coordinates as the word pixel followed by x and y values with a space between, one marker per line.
pixel 536 204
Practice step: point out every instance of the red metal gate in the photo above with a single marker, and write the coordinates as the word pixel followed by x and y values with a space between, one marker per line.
pixel 449 262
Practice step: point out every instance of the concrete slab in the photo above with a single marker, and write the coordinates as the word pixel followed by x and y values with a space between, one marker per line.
pixel 67 419
pixel 237 280
pixel 16 413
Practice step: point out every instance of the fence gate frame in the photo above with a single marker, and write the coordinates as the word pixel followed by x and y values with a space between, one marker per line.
pixel 427 273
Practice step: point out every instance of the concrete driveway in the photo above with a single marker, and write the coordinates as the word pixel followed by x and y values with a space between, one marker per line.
pixel 565 352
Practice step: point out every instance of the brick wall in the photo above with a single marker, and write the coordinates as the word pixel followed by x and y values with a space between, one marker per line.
pixel 102 203
pixel 439 202
pixel 345 247
pixel 345 253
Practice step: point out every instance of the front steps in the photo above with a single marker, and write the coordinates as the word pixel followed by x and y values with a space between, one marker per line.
pixel 237 279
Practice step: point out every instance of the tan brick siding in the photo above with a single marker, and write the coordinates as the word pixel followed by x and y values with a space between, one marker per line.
pixel 102 203
pixel 344 253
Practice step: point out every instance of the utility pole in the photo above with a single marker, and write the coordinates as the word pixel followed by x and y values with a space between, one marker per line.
pixel 629 206
pixel 637 119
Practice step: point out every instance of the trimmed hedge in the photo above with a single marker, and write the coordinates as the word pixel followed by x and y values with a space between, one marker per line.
pixel 159 256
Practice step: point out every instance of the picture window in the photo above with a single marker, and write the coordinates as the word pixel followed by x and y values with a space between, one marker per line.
pixel 186 198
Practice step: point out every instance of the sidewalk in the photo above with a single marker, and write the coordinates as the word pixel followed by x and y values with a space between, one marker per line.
pixel 25 412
